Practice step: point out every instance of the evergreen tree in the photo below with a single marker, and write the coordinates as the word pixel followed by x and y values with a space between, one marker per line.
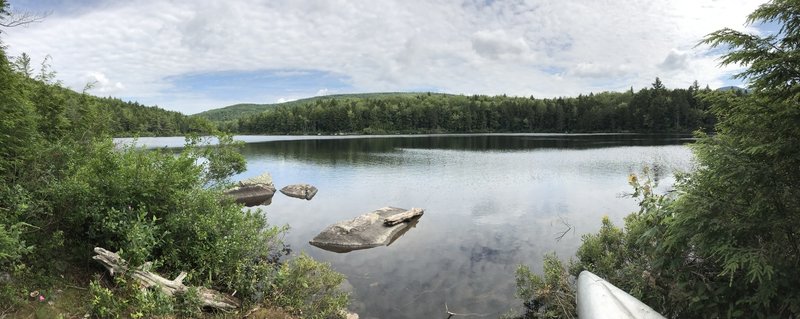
pixel 739 215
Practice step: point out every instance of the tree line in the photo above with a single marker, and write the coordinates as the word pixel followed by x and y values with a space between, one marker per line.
pixel 59 109
pixel 652 109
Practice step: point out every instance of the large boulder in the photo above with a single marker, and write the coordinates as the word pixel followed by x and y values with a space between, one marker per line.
pixel 253 191
pixel 302 191
pixel 365 231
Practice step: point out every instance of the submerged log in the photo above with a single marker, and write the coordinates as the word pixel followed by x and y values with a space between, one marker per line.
pixel 403 217
pixel 208 297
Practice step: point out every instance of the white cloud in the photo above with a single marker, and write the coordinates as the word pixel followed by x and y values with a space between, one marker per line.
pixel 458 47
pixel 675 60
pixel 286 99
pixel 100 83
pixel 497 44
pixel 321 92
pixel 593 70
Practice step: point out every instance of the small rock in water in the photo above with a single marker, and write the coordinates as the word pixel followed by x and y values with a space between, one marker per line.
pixel 302 191
pixel 253 191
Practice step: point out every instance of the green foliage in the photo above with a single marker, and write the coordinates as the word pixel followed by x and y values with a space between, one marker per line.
pixel 12 246
pixel 125 300
pixel 220 161
pixel 59 110
pixel 104 303
pixel 17 123
pixel 65 188
pixel 725 244
pixel 234 112
pixel 628 257
pixel 548 296
pixel 153 206
pixel 188 303
pixel 308 288
pixel 772 65
pixel 654 109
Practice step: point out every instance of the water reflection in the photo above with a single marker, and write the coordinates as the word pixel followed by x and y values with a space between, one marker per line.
pixel 491 203
pixel 374 150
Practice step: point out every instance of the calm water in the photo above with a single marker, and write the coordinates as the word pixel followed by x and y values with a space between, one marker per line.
pixel 491 202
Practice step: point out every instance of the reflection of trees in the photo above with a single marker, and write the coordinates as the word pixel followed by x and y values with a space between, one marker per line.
pixel 374 150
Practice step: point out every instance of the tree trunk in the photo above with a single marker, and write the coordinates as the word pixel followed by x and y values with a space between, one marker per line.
pixel 208 297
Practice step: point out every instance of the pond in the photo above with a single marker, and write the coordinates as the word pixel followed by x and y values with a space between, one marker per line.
pixel 491 202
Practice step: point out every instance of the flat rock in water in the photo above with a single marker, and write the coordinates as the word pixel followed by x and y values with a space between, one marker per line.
pixel 365 231
pixel 263 179
pixel 253 191
pixel 302 191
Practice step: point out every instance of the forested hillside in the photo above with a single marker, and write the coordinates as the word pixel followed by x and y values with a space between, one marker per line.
pixel 60 108
pixel 653 109
pixel 235 112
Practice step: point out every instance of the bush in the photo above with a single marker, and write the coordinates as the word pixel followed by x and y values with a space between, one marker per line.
pixel 127 300
pixel 548 296
pixel 158 206
pixel 155 206
pixel 308 289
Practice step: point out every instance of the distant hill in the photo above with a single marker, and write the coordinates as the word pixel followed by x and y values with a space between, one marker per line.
pixel 233 112
pixel 734 88
pixel 237 111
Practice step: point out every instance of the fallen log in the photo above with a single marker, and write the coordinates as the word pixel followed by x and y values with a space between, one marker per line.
pixel 208 297
pixel 402 217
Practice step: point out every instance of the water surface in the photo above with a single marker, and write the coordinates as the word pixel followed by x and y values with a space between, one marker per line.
pixel 491 202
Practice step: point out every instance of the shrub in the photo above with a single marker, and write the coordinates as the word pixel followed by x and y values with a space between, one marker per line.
pixel 309 289
pixel 549 296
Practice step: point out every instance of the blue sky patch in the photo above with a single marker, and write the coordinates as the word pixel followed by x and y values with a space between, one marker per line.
pixel 255 86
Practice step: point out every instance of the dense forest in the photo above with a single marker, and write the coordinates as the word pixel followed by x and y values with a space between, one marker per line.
pixel 726 242
pixel 653 109
pixel 234 112
pixel 61 109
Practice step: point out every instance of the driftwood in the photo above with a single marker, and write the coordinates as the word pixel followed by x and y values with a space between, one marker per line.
pixel 403 217
pixel 208 297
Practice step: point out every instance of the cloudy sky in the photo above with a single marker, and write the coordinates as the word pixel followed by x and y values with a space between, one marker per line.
pixel 192 56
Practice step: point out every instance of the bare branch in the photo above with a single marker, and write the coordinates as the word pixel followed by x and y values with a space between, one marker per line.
pixel 450 314
pixel 16 19
pixel 568 228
